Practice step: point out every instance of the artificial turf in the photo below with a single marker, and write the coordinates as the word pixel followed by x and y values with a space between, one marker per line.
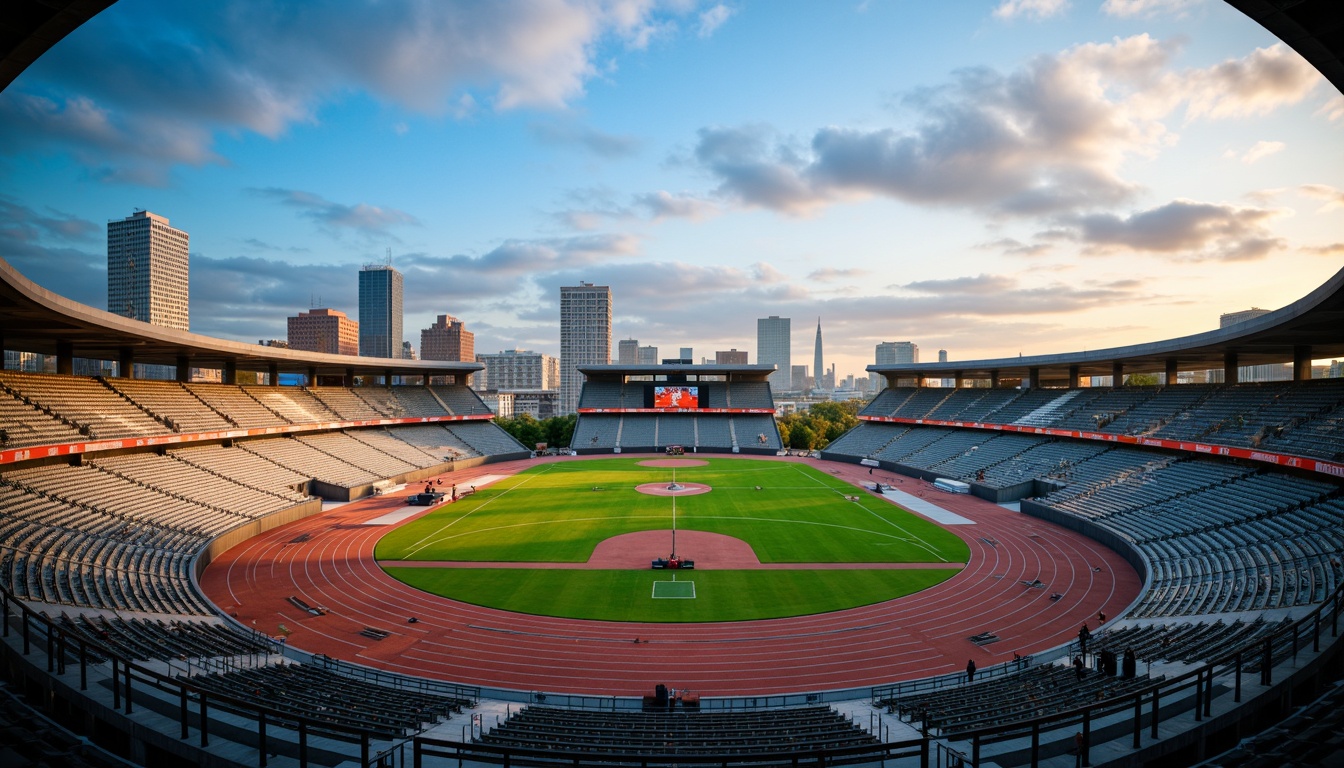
pixel 558 512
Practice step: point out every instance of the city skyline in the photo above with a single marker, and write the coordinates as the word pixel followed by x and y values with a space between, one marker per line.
pixel 1005 178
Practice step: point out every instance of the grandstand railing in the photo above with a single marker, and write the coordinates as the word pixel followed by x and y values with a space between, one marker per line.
pixel 424 749
pixel 882 693
pixel 127 675
pixel 471 693
pixel 1320 466
pixel 1191 692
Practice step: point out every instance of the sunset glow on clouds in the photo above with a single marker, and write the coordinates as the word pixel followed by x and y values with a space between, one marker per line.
pixel 991 178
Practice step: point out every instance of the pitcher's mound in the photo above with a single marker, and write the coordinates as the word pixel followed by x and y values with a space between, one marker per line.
pixel 668 488
pixel 673 463
pixel 710 551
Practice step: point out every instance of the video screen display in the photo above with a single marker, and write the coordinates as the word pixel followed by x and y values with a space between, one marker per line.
pixel 676 397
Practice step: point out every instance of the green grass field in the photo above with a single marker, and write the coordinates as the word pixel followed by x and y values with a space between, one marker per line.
pixel 551 513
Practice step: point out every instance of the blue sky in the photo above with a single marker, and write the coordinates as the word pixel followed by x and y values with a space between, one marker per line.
pixel 991 178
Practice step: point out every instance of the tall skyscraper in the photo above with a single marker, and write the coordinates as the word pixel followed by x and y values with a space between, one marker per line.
pixel 585 337
pixel 447 339
pixel 773 347
pixel 892 352
pixel 147 270
pixel 517 369
pixel 799 378
pixel 379 311
pixel 730 357
pixel 1250 373
pixel 818 367
pixel 627 351
pixel 324 330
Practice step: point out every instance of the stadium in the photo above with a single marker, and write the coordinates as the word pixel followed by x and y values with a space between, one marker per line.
pixel 229 574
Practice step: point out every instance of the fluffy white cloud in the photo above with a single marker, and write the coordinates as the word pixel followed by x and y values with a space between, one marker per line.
pixel 1258 151
pixel 1185 230
pixel 262 65
pixel 1334 198
pixel 1333 109
pixel 713 18
pixel 1266 80
pixel 1148 8
pixel 1051 137
pixel 361 217
pixel 1037 9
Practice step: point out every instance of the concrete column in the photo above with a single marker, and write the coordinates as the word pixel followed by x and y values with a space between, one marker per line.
pixel 1034 377
pixel 230 372
pixel 1117 374
pixel 1073 377
pixel 349 377
pixel 387 379
pixel 183 368
pixel 993 379
pixel 1302 362
pixel 273 374
pixel 65 358
pixel 1230 367
pixel 126 363
pixel 1171 370
pixel 312 376
pixel 959 380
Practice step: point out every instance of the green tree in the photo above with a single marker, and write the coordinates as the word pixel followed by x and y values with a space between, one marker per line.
pixel 559 430
pixel 802 437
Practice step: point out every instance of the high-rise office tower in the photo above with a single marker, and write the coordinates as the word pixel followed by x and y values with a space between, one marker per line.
pixel 646 355
pixel 730 357
pixel 773 347
pixel 799 378
pixel 323 330
pixel 147 270
pixel 1252 373
pixel 893 352
pixel 818 367
pixel 585 337
pixel 627 351
pixel 379 311
pixel 515 369
pixel 447 339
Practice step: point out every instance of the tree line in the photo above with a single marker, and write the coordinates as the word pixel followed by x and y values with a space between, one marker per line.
pixel 809 430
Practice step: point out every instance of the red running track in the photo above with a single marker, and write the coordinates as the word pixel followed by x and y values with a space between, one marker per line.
pixel 327 560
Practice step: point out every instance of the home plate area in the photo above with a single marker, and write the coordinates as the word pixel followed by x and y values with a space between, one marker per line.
pixel 674 590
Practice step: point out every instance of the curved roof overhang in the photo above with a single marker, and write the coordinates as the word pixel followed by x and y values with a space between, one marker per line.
pixel 1310 328
pixel 618 372
pixel 33 319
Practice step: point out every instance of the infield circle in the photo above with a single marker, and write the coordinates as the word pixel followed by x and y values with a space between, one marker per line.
pixel 666 489
pixel 672 463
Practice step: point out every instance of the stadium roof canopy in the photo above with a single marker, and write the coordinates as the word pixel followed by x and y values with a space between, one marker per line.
pixel 33 319
pixel 1309 328
pixel 677 372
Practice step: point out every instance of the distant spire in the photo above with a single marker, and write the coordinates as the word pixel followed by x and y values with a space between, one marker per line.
pixel 818 366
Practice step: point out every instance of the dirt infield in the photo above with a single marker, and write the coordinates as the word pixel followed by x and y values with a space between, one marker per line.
pixel 635 551
pixel 673 463
pixel 683 489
